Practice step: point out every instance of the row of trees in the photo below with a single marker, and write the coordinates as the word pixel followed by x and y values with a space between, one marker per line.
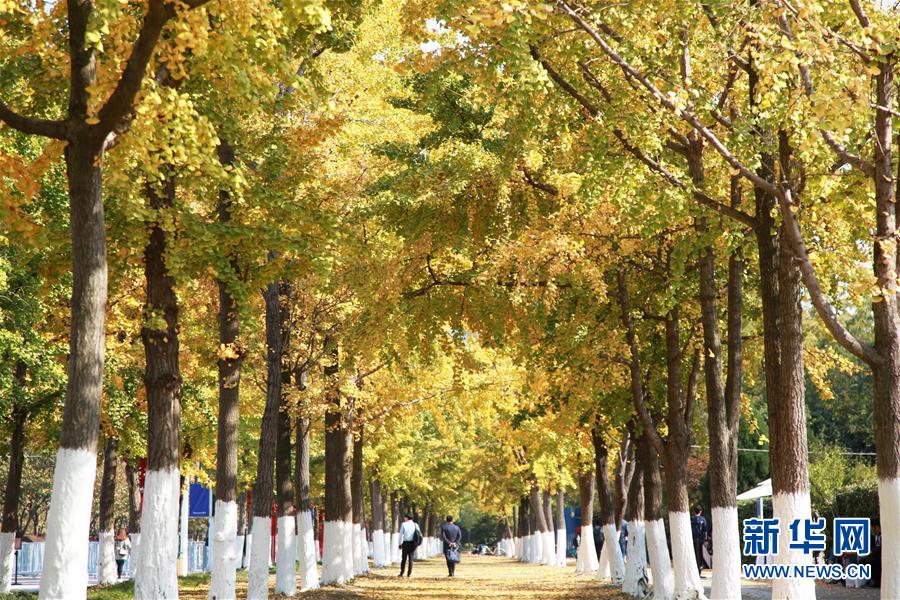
pixel 507 249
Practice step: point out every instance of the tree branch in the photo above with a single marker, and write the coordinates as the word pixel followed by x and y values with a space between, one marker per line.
pixel 845 155
pixel 667 103
pixel 120 102
pixel 634 367
pixel 841 334
pixel 51 129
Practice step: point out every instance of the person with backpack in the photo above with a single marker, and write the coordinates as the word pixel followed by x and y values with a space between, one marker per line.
pixel 699 533
pixel 451 536
pixel 410 538
pixel 122 549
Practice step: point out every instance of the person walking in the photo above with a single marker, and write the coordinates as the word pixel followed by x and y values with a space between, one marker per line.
pixel 410 538
pixel 699 533
pixel 122 549
pixel 451 536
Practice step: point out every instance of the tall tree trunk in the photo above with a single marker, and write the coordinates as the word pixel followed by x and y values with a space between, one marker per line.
pixel 395 528
pixel 134 499
pixel 723 412
pixel 887 333
pixel 132 475
pixel 586 561
pixel 561 527
pixel 782 351
pixel 422 551
pixel 524 529
pixel 387 526
pixel 538 524
pixel 657 548
pixel 358 498
pixel 157 575
pixel 624 472
pixel 635 582
pixel 231 357
pixel 306 548
pixel 337 564
pixel 10 524
pixel 676 451
pixel 611 562
pixel 263 496
pixel 107 572
pixel 377 523
pixel 65 555
pixel 549 549
pixel 286 541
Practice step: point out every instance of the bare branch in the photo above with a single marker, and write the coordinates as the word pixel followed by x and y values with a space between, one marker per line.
pixel 667 103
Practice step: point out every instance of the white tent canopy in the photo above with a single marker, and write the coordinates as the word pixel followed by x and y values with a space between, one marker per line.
pixel 762 490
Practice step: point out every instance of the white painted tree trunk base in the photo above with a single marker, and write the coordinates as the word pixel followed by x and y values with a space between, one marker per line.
pixel 586 557
pixel 157 574
pixel 107 573
pixel 603 571
pixel 635 582
pixel 65 548
pixel 519 550
pixel 687 577
pixel 612 564
pixel 306 552
pixel 333 571
pixel 788 507
pixel 395 547
pixel 726 572
pixel 889 503
pixel 135 550
pixel 560 547
pixel 348 543
pixel 548 550
pixel 388 551
pixel 258 571
pixel 660 564
pixel 286 556
pixel 7 560
pixel 530 549
pixel 534 548
pixel 223 570
pixel 363 551
pixel 378 549
pixel 358 553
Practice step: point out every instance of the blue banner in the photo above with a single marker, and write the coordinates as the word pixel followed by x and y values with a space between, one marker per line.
pixel 199 502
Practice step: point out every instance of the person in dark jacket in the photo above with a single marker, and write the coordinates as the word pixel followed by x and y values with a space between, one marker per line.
pixel 699 533
pixel 451 536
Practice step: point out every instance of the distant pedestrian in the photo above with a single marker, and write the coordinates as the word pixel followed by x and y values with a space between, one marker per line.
pixel 699 532
pixel 410 538
pixel 451 536
pixel 122 549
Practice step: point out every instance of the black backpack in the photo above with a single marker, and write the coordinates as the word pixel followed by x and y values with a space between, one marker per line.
pixel 417 538
pixel 698 527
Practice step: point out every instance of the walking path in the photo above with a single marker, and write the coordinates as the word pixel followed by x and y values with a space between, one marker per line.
pixel 482 577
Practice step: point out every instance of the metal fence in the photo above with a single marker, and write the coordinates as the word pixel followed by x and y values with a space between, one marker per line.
pixel 30 558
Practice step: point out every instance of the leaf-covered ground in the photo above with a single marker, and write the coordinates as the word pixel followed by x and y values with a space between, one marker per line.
pixel 477 577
